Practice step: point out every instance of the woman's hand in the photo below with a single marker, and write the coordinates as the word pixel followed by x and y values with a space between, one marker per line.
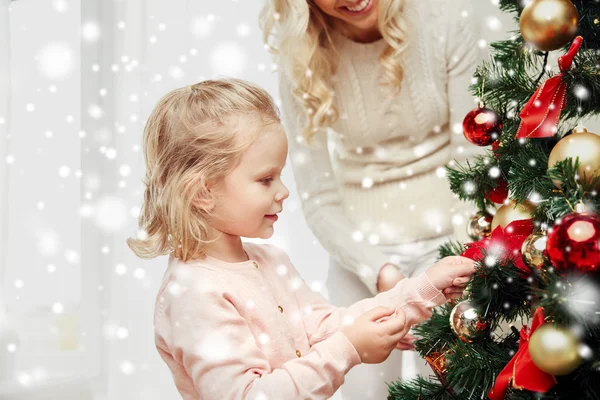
pixel 389 276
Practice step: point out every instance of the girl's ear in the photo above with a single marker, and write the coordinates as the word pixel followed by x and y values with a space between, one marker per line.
pixel 205 199
pixel 203 203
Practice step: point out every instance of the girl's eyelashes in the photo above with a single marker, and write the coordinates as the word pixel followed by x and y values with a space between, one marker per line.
pixel 269 179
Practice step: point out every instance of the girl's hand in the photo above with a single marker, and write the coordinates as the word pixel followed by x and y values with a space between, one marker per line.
pixel 451 275
pixel 457 290
pixel 407 342
pixel 375 333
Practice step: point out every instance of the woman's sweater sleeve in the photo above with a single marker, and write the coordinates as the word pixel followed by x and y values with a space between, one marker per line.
pixel 321 200
pixel 209 341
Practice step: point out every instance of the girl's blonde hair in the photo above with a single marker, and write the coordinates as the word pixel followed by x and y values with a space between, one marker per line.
pixel 189 140
pixel 298 32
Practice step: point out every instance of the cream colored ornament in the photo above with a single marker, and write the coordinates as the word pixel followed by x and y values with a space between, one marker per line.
pixel 512 212
pixel 555 350
pixel 549 24
pixel 582 144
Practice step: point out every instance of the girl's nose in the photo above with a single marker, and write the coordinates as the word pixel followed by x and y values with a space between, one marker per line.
pixel 282 194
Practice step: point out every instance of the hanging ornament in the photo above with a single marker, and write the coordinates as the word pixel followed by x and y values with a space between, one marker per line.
pixel 482 126
pixel 479 226
pixel 533 250
pixel 549 24
pixel 502 243
pixel 539 117
pixel 582 144
pixel 439 364
pixel 512 212
pixel 521 372
pixel 499 193
pixel 574 242
pixel 465 321
pixel 555 350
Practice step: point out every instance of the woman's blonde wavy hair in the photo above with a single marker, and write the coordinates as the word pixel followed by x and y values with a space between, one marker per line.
pixel 298 33
pixel 190 140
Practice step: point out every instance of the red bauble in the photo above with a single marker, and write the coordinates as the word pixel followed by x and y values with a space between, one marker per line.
pixel 482 126
pixel 574 242
pixel 499 193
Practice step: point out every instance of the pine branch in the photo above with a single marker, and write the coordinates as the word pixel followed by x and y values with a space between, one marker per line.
pixel 528 171
pixel 500 292
pixel 473 367
pixel 472 182
pixel 451 248
pixel 419 389
pixel 435 333
pixel 571 300
pixel 583 80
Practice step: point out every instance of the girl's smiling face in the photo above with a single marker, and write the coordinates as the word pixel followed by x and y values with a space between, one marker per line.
pixel 250 197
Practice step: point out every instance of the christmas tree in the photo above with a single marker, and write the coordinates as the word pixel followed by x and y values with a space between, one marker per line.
pixel 529 326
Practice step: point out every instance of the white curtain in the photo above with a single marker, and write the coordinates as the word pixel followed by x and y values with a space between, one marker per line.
pixel 8 335
pixel 4 129
pixel 85 76
pixel 39 184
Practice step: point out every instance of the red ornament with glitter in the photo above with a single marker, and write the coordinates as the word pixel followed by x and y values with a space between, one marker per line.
pixel 499 193
pixel 482 126
pixel 574 242
pixel 503 243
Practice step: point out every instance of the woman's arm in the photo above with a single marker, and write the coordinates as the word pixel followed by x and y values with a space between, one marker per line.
pixel 321 200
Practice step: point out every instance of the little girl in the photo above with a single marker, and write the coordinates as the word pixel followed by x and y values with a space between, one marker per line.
pixel 234 320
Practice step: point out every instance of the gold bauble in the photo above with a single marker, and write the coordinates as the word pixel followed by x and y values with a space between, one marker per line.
pixel 549 24
pixel 464 320
pixel 479 226
pixel 582 144
pixel 512 212
pixel 554 350
pixel 533 250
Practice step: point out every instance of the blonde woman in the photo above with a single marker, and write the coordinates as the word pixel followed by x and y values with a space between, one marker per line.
pixel 373 93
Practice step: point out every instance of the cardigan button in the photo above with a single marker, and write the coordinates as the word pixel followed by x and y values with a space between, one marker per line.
pixel 255 264
pixel 298 353
pixel 280 309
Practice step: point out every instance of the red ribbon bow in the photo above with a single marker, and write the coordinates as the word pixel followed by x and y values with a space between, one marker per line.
pixel 521 371
pixel 503 242
pixel 540 116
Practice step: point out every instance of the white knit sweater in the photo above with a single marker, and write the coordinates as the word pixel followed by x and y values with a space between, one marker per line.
pixel 377 177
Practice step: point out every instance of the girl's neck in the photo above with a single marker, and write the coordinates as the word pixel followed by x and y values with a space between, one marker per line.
pixel 227 248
